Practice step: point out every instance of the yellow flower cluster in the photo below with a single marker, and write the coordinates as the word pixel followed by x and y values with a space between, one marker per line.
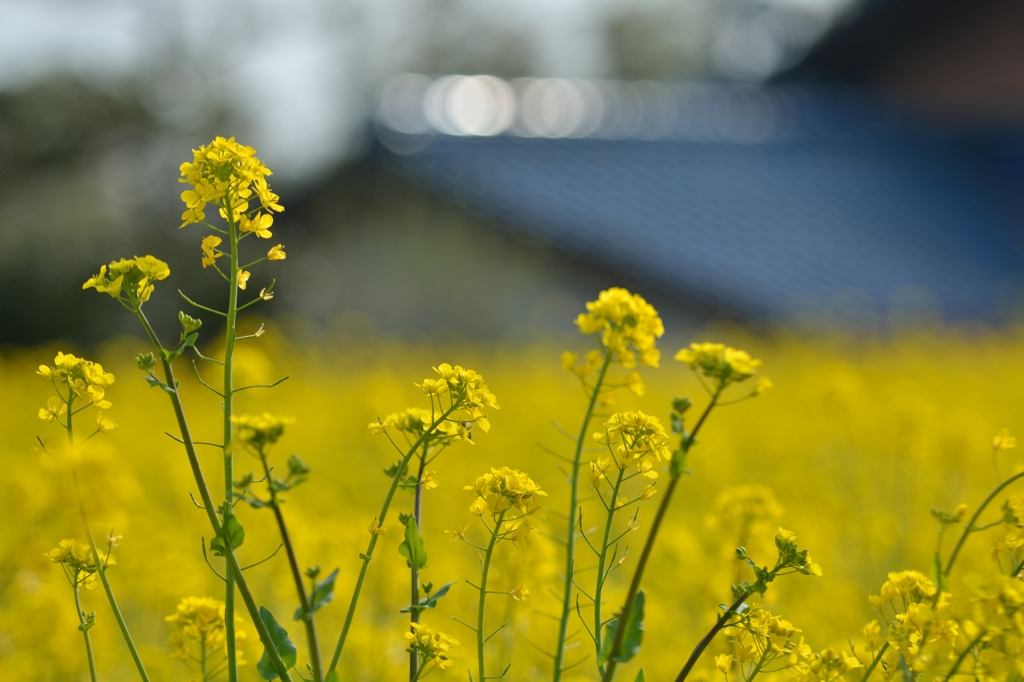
pixel 131 276
pixel 628 326
pixel 721 364
pixel 636 439
pixel 199 628
pixel 77 561
pixel 757 639
pixel 468 395
pixel 906 587
pixel 502 489
pixel 86 380
pixel 259 430
pixel 228 174
pixel 431 645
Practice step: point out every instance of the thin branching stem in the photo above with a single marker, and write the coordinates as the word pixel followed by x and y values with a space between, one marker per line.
pixel 570 547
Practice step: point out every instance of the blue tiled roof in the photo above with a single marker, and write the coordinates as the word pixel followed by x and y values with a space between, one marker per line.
pixel 835 197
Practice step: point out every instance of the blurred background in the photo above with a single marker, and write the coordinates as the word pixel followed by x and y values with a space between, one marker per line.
pixel 764 161
pixel 833 184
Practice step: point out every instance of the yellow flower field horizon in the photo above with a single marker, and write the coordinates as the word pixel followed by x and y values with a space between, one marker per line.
pixel 850 451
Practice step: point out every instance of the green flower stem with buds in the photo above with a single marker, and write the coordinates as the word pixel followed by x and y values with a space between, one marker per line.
pixel 208 506
pixel 414 614
pixel 563 624
pixel 368 554
pixel 229 473
pixel 485 570
pixel 601 559
pixel 314 644
pixel 101 569
pixel 638 574
pixel 85 633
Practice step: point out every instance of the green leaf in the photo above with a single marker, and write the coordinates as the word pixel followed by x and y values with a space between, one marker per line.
pixel 428 602
pixel 412 548
pixel 285 648
pixel 333 676
pixel 640 676
pixel 633 637
pixel 232 531
pixel 153 383
pixel 322 595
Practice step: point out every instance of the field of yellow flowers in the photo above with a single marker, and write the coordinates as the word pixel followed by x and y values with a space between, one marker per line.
pixel 859 440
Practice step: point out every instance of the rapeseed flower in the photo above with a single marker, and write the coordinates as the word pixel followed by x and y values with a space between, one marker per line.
pixel 200 629
pixel 431 645
pixel 628 327
pixel 636 439
pixel 129 277
pixel 259 430
pixel 721 364
pixel 84 379
pixel 504 488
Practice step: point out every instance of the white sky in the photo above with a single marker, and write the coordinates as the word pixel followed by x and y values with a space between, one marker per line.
pixel 301 70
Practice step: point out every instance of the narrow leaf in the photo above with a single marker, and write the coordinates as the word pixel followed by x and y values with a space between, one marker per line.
pixel 428 602
pixel 322 595
pixel 233 531
pixel 631 640
pixel 640 676
pixel 412 548
pixel 285 648
pixel 153 383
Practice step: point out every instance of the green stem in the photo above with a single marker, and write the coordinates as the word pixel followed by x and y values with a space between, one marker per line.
pixel 101 570
pixel 314 644
pixel 971 524
pixel 875 661
pixel 570 560
pixel 202 658
pixel 368 554
pixel 480 639
pixel 210 509
pixel 638 574
pixel 705 641
pixel 963 656
pixel 85 633
pixel 229 352
pixel 414 614
pixel 601 559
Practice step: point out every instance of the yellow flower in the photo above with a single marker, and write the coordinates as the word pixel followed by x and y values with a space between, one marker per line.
pixel 428 481
pixel 569 360
pixel 243 277
pixel 763 384
pixel 210 254
pixel 259 430
pixel 648 492
pixel 723 662
pixel 635 384
pixel 226 174
pixel 458 533
pixel 377 529
pixel 104 423
pixel 55 408
pixel 276 253
pixel 133 276
pixel 504 488
pixel 431 645
pixel 199 628
pixel 637 440
pixel 78 562
pixel 719 362
pixel 628 325
pixel 1003 440
pixel 520 593
pixel 258 225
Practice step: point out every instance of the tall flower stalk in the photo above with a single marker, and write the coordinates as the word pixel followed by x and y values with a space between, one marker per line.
pixel 625 327
pixel 722 366
pixel 75 379
pixel 513 502
pixel 458 398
